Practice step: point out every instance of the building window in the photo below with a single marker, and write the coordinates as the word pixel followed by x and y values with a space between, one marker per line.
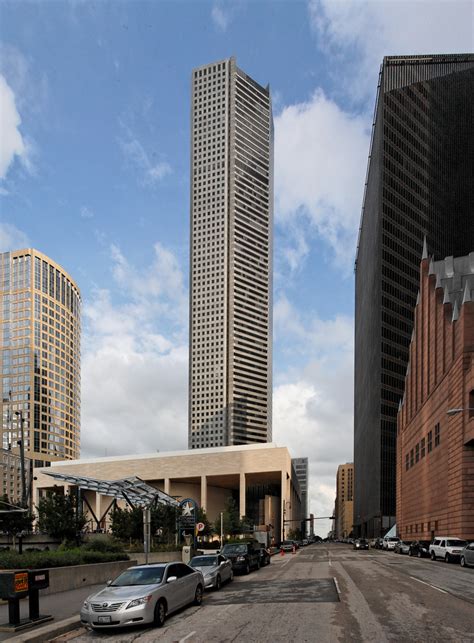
pixel 437 435
pixel 407 462
pixel 422 447
pixel 412 458
pixel 471 404
pixel 417 453
pixel 430 441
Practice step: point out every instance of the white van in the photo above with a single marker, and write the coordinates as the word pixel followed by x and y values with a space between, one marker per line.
pixel 448 548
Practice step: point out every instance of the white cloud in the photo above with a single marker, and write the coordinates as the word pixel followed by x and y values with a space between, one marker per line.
pixel 320 163
pixel 86 213
pixel 11 238
pixel 151 172
pixel 220 17
pixel 313 406
pixel 12 141
pixel 359 34
pixel 142 341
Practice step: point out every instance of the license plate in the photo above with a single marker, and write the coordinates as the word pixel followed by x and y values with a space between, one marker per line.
pixel 104 619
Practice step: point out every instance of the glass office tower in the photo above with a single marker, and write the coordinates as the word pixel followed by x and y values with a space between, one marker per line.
pixel 420 183
pixel 40 332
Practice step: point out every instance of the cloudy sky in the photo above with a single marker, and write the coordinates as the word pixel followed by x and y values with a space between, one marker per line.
pixel 94 172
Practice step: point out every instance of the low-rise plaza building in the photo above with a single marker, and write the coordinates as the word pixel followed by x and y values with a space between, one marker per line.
pixel 435 442
pixel 260 477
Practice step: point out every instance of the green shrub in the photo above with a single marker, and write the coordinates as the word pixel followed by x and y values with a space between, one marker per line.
pixel 39 560
pixel 103 545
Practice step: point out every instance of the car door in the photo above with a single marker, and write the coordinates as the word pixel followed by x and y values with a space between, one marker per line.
pixel 172 590
pixel 224 567
pixel 188 582
pixel 442 548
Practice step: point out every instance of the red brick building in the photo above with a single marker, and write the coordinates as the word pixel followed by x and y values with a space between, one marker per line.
pixel 435 450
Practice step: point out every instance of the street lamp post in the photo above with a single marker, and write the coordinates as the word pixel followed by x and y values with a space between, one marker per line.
pixel 21 443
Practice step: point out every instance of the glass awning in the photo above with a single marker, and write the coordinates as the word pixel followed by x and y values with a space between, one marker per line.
pixel 134 490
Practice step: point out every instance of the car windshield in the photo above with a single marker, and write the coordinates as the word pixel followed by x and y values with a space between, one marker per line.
pixel 235 549
pixel 203 561
pixel 137 576
pixel 393 540
pixel 457 543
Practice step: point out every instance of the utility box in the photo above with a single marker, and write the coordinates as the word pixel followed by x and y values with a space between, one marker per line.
pixel 188 553
pixel 14 584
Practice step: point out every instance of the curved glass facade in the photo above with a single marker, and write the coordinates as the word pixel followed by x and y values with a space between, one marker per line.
pixel 40 332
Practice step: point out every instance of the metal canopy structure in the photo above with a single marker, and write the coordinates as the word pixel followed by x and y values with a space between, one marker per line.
pixel 135 491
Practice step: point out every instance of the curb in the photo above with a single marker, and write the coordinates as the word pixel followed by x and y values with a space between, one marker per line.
pixel 47 632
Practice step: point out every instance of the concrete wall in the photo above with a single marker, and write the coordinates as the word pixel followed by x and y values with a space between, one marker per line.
pixel 62 579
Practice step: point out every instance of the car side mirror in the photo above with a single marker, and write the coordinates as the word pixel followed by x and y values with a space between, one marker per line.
pixel 109 582
pixel 171 579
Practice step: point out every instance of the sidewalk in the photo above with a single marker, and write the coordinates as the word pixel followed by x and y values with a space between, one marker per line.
pixel 61 606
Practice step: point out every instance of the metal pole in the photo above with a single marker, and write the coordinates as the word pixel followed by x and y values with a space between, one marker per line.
pixel 222 529
pixel 21 442
pixel 146 532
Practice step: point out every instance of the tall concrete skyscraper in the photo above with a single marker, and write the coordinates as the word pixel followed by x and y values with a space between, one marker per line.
pixel 40 334
pixel 230 359
pixel 420 183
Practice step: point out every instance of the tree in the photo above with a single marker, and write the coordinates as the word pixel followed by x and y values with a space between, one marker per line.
pixel 231 519
pixel 59 516
pixel 127 523
pixel 14 522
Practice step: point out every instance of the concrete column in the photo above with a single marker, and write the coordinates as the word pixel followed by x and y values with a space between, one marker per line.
pixel 167 486
pixel 242 507
pixel 204 493
pixel 283 528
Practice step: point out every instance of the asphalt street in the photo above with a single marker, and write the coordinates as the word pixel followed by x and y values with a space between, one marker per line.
pixel 326 594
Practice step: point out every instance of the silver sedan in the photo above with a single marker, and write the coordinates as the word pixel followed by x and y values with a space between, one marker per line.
pixel 215 568
pixel 143 594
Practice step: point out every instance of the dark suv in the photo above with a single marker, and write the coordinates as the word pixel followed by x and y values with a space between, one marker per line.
pixel 244 556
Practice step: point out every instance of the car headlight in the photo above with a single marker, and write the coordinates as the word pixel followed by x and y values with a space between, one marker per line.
pixel 240 557
pixel 86 605
pixel 139 601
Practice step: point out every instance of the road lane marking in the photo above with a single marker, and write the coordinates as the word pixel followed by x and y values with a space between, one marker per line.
pixel 429 585
pixel 186 637
pixel 337 585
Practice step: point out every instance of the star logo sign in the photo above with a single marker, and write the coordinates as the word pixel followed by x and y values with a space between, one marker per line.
pixel 188 509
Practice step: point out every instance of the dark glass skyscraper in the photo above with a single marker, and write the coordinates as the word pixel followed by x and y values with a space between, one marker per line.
pixel 420 182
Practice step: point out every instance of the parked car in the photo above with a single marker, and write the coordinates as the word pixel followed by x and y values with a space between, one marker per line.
pixel 215 568
pixel 448 548
pixel 420 548
pixel 305 542
pixel 243 556
pixel 389 543
pixel 361 543
pixel 288 545
pixel 265 557
pixel 143 594
pixel 401 547
pixel 467 555
pixel 378 543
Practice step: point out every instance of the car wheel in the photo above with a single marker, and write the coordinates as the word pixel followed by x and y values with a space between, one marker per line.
pixel 218 583
pixel 160 613
pixel 447 558
pixel 419 554
pixel 269 560
pixel 463 561
pixel 432 556
pixel 258 564
pixel 247 568
pixel 198 595
pixel 410 552
pixel 231 577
